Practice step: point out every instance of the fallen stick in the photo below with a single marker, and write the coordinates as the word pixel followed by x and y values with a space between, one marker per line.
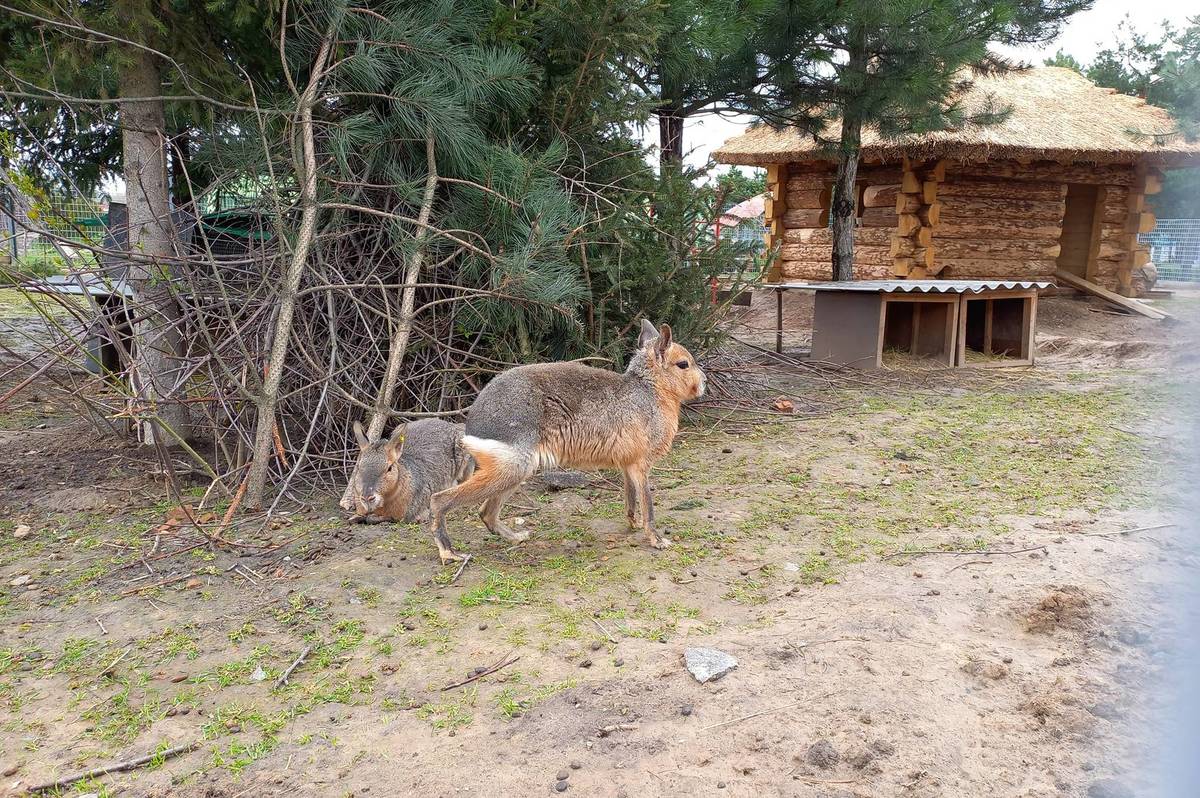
pixel 116 767
pixel 611 639
pixel 961 552
pixel 481 674
pixel 764 712
pixel 466 559
pixel 968 562
pixel 159 583
pixel 604 731
pixel 1123 531
pixel 282 680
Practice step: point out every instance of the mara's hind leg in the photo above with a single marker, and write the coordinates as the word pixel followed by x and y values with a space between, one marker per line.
pixel 499 469
pixel 490 515
pixel 630 498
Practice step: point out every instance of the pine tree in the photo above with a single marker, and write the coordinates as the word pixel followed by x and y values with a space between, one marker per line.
pixel 834 67
pixel 61 56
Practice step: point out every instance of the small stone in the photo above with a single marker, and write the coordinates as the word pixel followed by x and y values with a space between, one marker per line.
pixel 986 670
pixel 22 531
pixel 933 593
pixel 883 747
pixel 23 579
pixel 587 663
pixel 859 758
pixel 595 646
pixel 686 710
pixel 560 786
pixel 886 481
pixel 193 583
pixel 1060 662
pixel 171 712
pixel 707 664
pixel 258 675
pixel 744 572
pixel 177 678
pixel 1109 788
pixel 11 769
pixel 720 785
pixel 618 662
pixel 791 567
pixel 918 574
pixel 727 451
pixel 563 775
pixel 482 626
pixel 822 754
pixel 1007 660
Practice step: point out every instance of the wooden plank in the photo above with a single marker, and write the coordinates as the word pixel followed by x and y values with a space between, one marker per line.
pixel 906 223
pixel 773 172
pixel 806 217
pixel 880 196
pixel 1049 171
pixel 1111 297
pixel 902 266
pixel 1044 192
pixel 938 172
pixel 910 183
pixel 929 191
pixel 878 217
pixel 930 215
pixel 808 198
pixel 924 236
pixel 1154 182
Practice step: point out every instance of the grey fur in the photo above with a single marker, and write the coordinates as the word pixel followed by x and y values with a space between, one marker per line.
pixel 575 416
pixel 431 459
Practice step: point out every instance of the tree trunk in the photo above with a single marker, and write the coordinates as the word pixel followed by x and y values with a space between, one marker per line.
pixel 157 372
pixel 842 208
pixel 264 431
pixel 670 135
pixel 845 196
pixel 412 274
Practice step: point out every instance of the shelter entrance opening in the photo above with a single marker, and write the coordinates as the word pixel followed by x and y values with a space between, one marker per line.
pixel 1078 229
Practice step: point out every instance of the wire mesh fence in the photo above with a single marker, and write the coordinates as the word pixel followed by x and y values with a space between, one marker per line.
pixel 1175 249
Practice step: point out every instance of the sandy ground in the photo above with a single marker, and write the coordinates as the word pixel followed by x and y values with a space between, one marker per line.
pixel 927 590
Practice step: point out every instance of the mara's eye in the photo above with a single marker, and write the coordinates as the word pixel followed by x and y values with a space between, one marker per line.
pixel 683 364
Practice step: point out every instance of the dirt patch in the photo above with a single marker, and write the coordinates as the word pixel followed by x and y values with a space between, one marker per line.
pixel 1065 607
pixel 853 564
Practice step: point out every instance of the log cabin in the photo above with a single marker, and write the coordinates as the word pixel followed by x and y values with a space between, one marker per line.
pixel 1059 184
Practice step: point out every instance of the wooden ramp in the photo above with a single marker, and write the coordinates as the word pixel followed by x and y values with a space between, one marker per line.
pixel 1115 299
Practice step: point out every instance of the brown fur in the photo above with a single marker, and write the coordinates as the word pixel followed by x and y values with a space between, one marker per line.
pixel 572 415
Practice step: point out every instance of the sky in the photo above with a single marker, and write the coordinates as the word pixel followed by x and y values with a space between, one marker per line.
pixel 1083 36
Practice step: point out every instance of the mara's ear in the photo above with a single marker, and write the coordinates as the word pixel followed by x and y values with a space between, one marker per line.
pixel 396 442
pixel 360 436
pixel 664 340
pixel 647 334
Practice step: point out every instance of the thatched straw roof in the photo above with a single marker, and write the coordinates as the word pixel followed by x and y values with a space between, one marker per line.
pixel 1057 114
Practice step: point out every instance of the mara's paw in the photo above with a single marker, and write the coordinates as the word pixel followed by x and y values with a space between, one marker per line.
pixel 508 534
pixel 449 555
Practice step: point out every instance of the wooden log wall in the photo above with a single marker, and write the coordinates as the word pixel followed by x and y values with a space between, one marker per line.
pixel 1001 220
pixel 806 252
pixel 918 215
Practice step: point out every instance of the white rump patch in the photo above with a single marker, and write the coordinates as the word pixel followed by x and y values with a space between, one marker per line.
pixel 529 462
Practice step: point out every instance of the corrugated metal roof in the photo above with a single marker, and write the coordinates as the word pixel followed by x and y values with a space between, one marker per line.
pixel 918 286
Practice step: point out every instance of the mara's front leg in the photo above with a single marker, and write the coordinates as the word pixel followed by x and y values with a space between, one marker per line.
pixel 631 489
pixel 641 473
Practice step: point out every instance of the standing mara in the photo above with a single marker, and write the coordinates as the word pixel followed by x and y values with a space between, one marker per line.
pixel 570 415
